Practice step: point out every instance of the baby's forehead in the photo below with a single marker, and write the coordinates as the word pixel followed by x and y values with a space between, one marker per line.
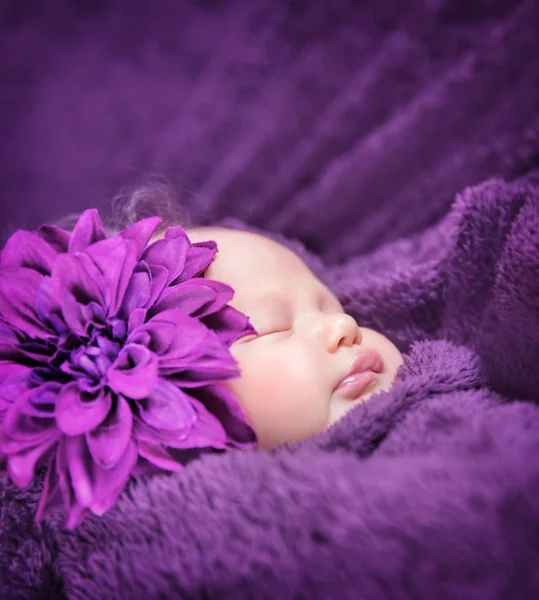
pixel 256 239
pixel 255 265
pixel 246 247
pixel 229 235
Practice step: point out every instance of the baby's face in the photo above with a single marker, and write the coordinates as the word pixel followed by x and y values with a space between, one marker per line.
pixel 306 344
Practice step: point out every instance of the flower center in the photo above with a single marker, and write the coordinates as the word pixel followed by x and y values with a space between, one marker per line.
pixel 87 361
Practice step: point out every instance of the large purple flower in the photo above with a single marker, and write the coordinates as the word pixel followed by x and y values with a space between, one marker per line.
pixel 112 354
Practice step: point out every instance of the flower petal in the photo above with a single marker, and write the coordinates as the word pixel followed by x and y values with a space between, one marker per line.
pixel 57 238
pixel 138 290
pixel 73 316
pixel 78 412
pixel 136 319
pixel 220 424
pixel 23 465
pixel 170 253
pixel 167 408
pixel 26 249
pixel 158 456
pixel 9 370
pixel 109 483
pixel 32 352
pixel 145 286
pixel 141 233
pixel 93 314
pixel 15 384
pixel 109 348
pixel 159 282
pixel 24 425
pixel 85 484
pixel 172 332
pixel 115 258
pixel 197 298
pixel 41 402
pixel 220 402
pixel 176 232
pixel 199 258
pixel 8 339
pixel 51 496
pixel 210 362
pixel 79 464
pixel 134 372
pixel 201 373
pixel 75 512
pixel 229 324
pixel 18 292
pixel 108 442
pixel 79 275
pixel 207 431
pixel 48 308
pixel 158 336
pixel 118 329
pixel 76 277
pixel 87 231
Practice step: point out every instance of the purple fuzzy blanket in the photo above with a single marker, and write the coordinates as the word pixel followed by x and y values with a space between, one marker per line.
pixel 430 490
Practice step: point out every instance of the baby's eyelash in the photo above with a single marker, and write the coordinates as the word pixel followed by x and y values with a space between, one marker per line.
pixel 276 331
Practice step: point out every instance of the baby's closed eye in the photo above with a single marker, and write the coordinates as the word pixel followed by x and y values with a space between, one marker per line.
pixel 280 332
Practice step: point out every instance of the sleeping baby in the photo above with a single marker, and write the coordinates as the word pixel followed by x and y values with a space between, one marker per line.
pixel 325 361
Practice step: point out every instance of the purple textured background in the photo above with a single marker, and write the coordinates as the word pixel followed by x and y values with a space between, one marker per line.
pixel 379 111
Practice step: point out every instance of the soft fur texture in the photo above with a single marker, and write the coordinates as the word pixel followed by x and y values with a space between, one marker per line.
pixel 428 491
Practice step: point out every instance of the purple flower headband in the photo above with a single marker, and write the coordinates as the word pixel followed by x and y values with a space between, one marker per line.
pixel 111 356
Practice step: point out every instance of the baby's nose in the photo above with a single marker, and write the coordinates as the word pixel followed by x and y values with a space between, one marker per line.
pixel 342 331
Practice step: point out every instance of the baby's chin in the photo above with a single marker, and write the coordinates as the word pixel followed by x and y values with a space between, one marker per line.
pixel 372 340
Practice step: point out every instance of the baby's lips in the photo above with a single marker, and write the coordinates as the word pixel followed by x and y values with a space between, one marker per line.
pixel 365 361
pixel 368 360
pixel 356 385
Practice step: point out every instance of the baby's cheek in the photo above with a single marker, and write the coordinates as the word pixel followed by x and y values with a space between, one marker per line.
pixel 261 388
pixel 279 393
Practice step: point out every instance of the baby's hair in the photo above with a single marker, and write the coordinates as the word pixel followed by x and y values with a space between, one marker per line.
pixel 131 204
